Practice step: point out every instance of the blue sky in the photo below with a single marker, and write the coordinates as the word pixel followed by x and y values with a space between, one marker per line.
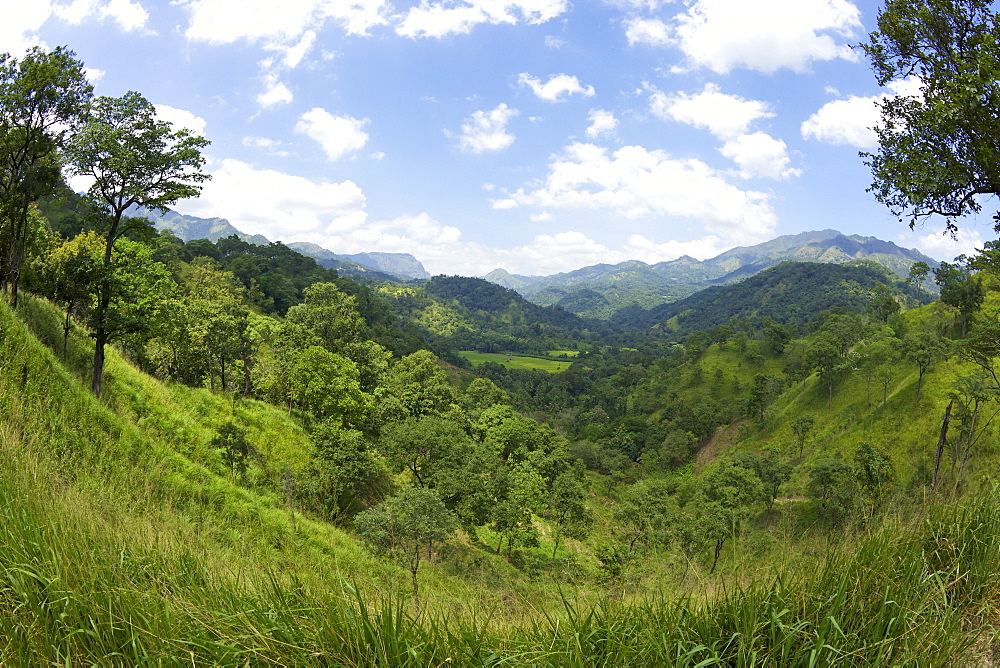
pixel 535 135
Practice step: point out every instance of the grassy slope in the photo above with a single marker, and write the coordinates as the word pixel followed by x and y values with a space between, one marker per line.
pixel 120 543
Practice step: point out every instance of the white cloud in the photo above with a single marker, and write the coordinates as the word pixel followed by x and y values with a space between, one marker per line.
pixel 601 123
pixel 760 155
pixel 766 36
pixel 292 54
pixel 851 121
pixel 439 19
pixel 130 16
pixel 93 74
pixel 338 135
pixel 634 182
pixel 275 92
pixel 723 115
pixel 20 21
pixel 554 42
pixel 941 246
pixel 639 247
pixel 277 205
pixel 487 130
pixel 180 118
pixel 647 31
pixel 557 86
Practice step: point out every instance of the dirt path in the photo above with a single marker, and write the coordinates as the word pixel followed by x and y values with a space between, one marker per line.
pixel 721 440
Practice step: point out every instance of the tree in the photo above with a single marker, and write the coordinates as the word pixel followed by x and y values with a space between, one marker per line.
pixel 773 473
pixel 960 289
pixel 924 350
pixel 883 303
pixel 831 487
pixel 343 468
pixel 42 98
pixel 72 268
pixel 917 276
pixel 567 508
pixel 236 449
pixel 134 160
pixel 801 426
pixel 937 149
pixel 406 524
pixel 725 501
pixel 874 472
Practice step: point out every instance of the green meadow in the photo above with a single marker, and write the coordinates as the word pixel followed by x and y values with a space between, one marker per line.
pixel 516 361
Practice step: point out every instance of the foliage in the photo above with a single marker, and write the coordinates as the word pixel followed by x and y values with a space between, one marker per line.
pixel 936 155
pixel 42 99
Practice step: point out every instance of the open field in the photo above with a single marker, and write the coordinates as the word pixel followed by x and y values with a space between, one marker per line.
pixel 516 361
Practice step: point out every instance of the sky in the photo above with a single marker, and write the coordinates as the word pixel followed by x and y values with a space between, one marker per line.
pixel 538 136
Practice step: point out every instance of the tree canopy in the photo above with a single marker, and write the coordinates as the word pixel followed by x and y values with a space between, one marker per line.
pixel 937 152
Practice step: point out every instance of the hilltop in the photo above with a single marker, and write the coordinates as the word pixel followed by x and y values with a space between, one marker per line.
pixel 600 290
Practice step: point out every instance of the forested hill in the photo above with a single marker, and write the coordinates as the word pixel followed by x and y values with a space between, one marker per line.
pixel 462 313
pixel 791 293
pixel 600 290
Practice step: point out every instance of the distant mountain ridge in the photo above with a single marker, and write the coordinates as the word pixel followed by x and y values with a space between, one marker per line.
pixel 602 289
pixel 385 266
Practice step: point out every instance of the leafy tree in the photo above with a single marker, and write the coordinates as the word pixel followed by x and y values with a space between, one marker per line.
pixel 874 472
pixel 344 469
pixel 771 471
pixel 960 289
pixel 42 98
pixel 725 501
pixel 328 386
pixel 331 314
pixel 71 269
pixel 134 160
pixel 644 520
pixel 417 385
pixel 801 426
pixel 519 492
pixel 567 508
pixel 236 449
pixel 831 486
pixel 917 275
pixel 406 525
pixel 937 149
pixel 883 303
pixel 431 448
pixel 924 350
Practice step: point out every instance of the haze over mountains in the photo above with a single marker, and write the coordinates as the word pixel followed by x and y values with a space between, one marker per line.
pixel 598 290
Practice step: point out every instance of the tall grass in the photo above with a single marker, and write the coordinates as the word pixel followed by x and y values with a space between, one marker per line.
pixel 118 548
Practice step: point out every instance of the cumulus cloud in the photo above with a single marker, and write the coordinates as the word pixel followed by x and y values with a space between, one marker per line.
pixel 760 155
pixel 275 92
pixel 277 205
pixel 653 32
pixel 226 21
pixel 180 118
pixel 440 19
pixel 557 86
pixel 338 135
pixel 851 121
pixel 130 16
pixel 942 246
pixel 601 123
pixel 634 182
pixel 487 130
pixel 723 115
pixel 767 36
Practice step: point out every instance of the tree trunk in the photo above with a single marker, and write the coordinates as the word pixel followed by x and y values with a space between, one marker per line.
pixel 718 550
pixel 941 441
pixel 965 453
pixel 100 339
pixel 414 565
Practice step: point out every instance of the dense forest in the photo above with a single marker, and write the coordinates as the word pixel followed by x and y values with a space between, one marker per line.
pixel 223 453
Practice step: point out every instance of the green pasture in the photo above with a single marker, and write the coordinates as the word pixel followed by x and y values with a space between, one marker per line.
pixel 515 361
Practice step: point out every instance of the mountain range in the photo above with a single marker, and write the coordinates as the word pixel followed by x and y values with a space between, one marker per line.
pixel 378 266
pixel 602 289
